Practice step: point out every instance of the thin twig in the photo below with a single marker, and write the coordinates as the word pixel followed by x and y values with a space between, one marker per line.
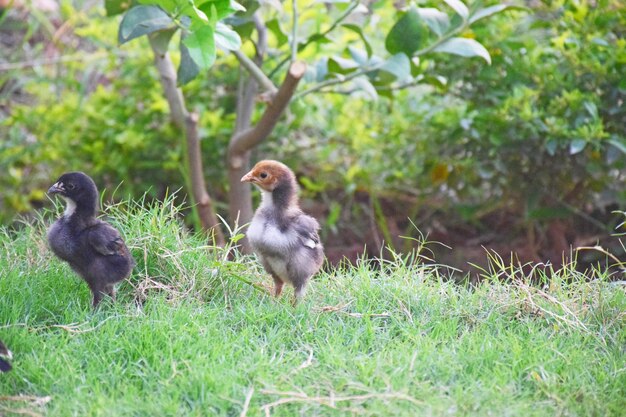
pixel 340 309
pixel 22 411
pixel 294 31
pixel 331 400
pixel 375 67
pixel 600 249
pixel 246 403
pixel 255 72
pixel 323 34
pixel 574 322
pixel 30 398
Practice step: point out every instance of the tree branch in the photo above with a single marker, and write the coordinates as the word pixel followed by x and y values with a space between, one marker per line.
pixel 251 137
pixel 255 72
pixel 204 204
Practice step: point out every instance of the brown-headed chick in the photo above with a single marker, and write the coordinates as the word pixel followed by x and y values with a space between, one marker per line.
pixel 285 239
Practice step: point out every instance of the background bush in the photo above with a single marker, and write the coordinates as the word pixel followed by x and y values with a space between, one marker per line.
pixel 531 146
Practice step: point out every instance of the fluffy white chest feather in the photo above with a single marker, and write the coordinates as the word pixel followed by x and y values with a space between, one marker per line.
pixel 263 233
pixel 70 207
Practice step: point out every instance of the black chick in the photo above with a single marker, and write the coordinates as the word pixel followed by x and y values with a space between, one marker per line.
pixel 5 355
pixel 92 247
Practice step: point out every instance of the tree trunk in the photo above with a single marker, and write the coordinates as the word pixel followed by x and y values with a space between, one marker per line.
pixel 188 124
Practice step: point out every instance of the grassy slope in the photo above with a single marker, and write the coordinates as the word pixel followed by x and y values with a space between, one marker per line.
pixel 395 342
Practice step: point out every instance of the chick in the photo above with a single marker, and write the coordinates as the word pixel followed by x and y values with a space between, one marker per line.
pixel 285 239
pixel 92 247
pixel 5 356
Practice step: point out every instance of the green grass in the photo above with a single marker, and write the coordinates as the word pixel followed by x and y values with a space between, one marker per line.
pixel 189 336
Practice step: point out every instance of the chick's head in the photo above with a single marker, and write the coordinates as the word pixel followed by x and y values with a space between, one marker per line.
pixel 268 175
pixel 75 186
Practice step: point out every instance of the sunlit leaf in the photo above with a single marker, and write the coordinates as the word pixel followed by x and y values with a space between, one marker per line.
pixel 490 11
pixel 576 146
pixel 226 38
pixel 359 55
pixel 436 20
pixel 459 7
pixel 274 27
pixel 223 8
pixel 399 66
pixel 464 47
pixel 357 29
pixel 366 86
pixel 201 45
pixel 341 65
pixel 141 20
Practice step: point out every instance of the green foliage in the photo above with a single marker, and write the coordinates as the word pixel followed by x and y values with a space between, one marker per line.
pixel 198 22
pixel 186 337
pixel 535 136
pixel 539 127
pixel 407 34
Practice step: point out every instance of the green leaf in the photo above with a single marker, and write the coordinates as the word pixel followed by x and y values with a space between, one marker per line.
pixel 357 29
pixel 201 45
pixel 244 27
pixel 114 7
pixel 576 146
pixel 399 66
pixel 318 38
pixel 223 8
pixel 436 20
pixel 438 81
pixel 161 39
pixel 250 6
pixel 363 84
pixel 358 55
pixel 487 11
pixel 226 38
pixel 141 20
pixel 551 147
pixel 407 34
pixel 274 27
pixel 340 65
pixel 464 47
pixel 619 145
pixel 459 7
pixel 187 69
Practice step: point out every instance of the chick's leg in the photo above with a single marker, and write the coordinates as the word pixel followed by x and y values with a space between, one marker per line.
pixel 110 291
pixel 278 286
pixel 298 294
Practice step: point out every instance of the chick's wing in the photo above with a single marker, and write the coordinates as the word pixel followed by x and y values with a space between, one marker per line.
pixel 306 227
pixel 106 240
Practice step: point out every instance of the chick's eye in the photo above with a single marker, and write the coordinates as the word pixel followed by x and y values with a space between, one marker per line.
pixel 263 175
pixel 70 186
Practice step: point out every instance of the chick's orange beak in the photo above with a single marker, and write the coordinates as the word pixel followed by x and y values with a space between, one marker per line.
pixel 249 177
